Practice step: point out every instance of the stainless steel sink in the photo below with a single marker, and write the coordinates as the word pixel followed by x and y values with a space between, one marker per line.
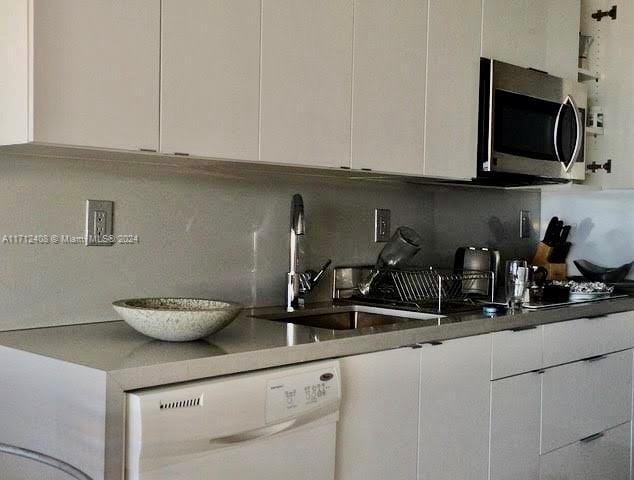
pixel 349 317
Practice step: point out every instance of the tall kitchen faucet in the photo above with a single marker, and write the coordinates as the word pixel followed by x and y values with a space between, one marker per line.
pixel 299 283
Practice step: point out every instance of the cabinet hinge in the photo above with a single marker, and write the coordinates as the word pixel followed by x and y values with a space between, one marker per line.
pixel 599 14
pixel 594 166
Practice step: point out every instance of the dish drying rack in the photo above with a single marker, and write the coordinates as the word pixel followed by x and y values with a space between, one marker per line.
pixel 433 288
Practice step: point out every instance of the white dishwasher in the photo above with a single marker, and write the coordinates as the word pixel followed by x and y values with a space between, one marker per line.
pixel 274 424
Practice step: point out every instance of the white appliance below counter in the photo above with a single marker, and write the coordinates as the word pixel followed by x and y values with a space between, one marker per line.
pixel 268 425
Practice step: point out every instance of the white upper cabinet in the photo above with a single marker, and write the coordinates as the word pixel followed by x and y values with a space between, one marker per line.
pixel 95 73
pixel 385 85
pixel 540 34
pixel 14 71
pixel 306 80
pixel 210 78
pixel 453 70
pixel 388 90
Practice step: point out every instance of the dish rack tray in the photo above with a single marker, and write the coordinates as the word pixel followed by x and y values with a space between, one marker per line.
pixel 435 288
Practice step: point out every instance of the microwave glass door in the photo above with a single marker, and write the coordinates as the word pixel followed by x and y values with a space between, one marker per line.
pixel 527 127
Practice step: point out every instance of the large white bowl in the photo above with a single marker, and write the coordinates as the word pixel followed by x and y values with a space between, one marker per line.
pixel 176 319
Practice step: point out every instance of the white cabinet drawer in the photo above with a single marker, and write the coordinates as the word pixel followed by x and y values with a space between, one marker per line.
pixel 576 339
pixel 586 397
pixel 605 457
pixel 516 351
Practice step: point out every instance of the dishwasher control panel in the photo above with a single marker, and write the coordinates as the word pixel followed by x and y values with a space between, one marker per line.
pixel 298 394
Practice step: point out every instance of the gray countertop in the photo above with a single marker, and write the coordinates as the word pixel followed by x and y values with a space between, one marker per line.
pixel 135 361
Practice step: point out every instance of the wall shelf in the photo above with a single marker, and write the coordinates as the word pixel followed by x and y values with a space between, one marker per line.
pixel 594 131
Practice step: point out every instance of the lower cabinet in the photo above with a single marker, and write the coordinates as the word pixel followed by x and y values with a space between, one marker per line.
pixel 566 422
pixel 377 435
pixel 434 413
pixel 605 456
pixel 583 398
pixel 455 410
pixel 515 417
pixel 416 413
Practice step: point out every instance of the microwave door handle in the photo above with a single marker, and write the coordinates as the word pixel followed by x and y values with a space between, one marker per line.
pixel 556 132
pixel 580 132
pixel 578 142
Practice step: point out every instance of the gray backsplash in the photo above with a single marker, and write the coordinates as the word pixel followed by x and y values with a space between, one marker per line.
pixel 223 236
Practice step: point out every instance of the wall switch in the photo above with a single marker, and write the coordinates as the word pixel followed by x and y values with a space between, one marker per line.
pixel 99 225
pixel 381 225
pixel 525 224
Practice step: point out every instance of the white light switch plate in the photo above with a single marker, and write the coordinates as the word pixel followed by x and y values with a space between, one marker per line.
pixel 99 223
pixel 381 224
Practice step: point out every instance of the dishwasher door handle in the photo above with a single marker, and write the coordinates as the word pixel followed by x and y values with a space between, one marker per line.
pixel 263 432
pixel 270 430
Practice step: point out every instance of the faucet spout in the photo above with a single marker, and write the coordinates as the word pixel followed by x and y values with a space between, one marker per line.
pixel 298 224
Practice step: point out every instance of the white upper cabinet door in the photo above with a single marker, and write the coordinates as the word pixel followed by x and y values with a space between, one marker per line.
pixel 96 73
pixel 453 70
pixel 306 82
pixel 514 31
pixel 14 72
pixel 377 434
pixel 210 78
pixel 455 410
pixel 388 93
pixel 541 34
pixel 562 38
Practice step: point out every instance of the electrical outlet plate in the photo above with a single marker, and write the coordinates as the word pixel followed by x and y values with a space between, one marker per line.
pixel 381 225
pixel 525 224
pixel 99 223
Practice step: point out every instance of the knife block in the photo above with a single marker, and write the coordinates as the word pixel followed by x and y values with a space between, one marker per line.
pixel 556 271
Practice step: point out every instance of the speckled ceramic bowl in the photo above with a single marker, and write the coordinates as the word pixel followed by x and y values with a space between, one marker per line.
pixel 176 319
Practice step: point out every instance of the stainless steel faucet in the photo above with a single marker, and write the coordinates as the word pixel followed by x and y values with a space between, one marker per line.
pixel 299 283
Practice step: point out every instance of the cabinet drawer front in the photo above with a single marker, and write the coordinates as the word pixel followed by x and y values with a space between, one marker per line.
pixel 516 351
pixel 571 341
pixel 606 457
pixel 586 397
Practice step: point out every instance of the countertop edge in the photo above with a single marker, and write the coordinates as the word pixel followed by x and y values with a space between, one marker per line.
pixel 200 368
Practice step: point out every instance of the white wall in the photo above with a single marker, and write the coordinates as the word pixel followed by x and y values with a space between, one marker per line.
pixel 602 221
pixel 216 236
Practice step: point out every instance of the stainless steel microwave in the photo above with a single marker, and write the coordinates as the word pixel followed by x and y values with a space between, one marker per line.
pixel 531 124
